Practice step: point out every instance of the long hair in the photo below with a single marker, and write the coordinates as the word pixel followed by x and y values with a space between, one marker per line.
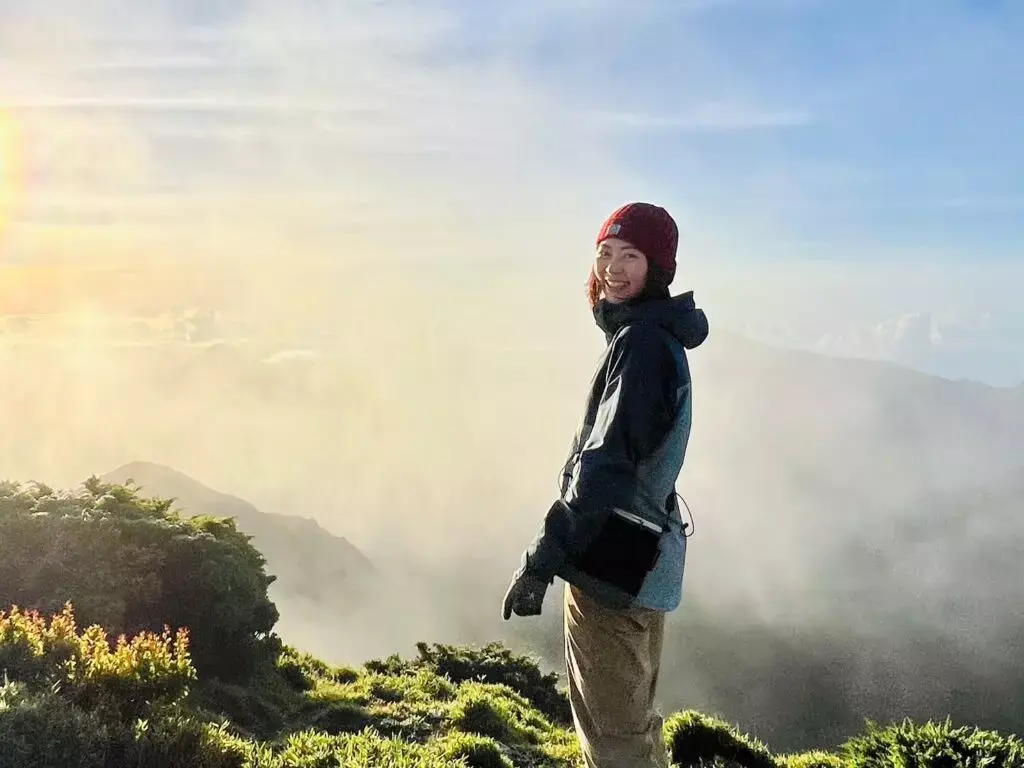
pixel 655 287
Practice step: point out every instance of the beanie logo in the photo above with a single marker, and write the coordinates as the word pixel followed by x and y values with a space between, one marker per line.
pixel 614 229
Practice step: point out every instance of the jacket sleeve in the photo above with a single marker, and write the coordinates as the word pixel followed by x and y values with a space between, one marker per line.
pixel 636 409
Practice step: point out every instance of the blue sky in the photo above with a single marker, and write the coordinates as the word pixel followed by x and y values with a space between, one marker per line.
pixel 844 123
pixel 807 123
pixel 832 163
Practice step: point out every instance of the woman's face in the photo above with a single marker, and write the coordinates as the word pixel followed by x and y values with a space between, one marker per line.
pixel 621 268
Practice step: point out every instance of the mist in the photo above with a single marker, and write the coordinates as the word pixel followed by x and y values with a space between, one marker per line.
pixel 315 259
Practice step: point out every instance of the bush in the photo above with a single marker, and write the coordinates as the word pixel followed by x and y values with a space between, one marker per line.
pixel 41 730
pixel 250 711
pixel 130 564
pixel 335 717
pixel 495 710
pixel 476 751
pixel 493 663
pixel 367 749
pixel 180 741
pixel 480 714
pixel 932 745
pixel 695 739
pixel 815 758
pixel 301 670
pixel 129 677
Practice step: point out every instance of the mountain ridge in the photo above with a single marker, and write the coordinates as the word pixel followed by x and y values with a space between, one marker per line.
pixel 299 551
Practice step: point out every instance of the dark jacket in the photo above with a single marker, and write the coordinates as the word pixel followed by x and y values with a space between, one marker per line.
pixel 629 448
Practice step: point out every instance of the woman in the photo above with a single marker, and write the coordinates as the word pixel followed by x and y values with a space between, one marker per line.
pixel 616 536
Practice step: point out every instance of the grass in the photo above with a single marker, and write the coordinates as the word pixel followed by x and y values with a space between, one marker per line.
pixel 76 699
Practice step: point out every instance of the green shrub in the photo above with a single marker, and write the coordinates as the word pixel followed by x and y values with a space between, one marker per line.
pixel 476 751
pixel 44 731
pixel 431 686
pixel 482 715
pixel 695 739
pixel 343 674
pixel 392 665
pixel 181 741
pixel 293 672
pixel 497 711
pixel 77 699
pixel 129 564
pixel 47 731
pixel 129 676
pixel 815 758
pixel 367 749
pixel 932 745
pixel 250 710
pixel 302 670
pixel 335 717
pixel 415 723
pixel 493 663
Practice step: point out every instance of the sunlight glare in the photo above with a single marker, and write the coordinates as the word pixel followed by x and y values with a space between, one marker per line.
pixel 8 168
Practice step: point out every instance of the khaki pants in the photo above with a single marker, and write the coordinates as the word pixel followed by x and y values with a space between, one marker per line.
pixel 612 660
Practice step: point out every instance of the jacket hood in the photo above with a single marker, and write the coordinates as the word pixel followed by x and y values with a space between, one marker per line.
pixel 679 315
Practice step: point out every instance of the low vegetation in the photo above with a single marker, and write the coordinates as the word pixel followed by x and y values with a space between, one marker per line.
pixel 136 684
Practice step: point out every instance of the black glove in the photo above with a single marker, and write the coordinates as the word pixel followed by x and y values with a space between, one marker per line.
pixel 525 594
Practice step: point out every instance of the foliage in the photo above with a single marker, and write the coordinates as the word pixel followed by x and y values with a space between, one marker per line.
pixel 932 745
pixel 476 751
pixel 695 739
pixel 129 564
pixel 104 695
pixel 493 663
pixel 814 758
pixel 75 698
pixel 87 669
pixel 78 699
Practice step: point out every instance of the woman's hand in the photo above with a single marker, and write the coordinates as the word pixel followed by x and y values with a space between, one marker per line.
pixel 525 595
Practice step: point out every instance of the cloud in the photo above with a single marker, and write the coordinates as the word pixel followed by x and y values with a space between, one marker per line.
pixel 973 202
pixel 262 113
pixel 710 116
pixel 446 135
pixel 163 64
pixel 209 103
pixel 750 5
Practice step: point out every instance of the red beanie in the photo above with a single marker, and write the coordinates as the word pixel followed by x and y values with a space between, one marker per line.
pixel 649 228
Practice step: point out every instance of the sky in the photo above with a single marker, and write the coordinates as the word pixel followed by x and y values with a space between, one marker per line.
pixel 838 169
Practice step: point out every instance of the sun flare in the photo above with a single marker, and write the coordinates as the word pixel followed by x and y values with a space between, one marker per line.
pixel 8 168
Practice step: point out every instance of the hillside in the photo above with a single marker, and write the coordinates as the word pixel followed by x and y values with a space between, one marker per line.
pixel 802 683
pixel 83 694
pixel 308 562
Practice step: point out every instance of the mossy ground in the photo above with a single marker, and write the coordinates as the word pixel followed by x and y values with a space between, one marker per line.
pixel 72 700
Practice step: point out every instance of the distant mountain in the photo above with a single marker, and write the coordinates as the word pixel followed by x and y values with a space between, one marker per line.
pixel 333 600
pixel 310 563
pixel 986 346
